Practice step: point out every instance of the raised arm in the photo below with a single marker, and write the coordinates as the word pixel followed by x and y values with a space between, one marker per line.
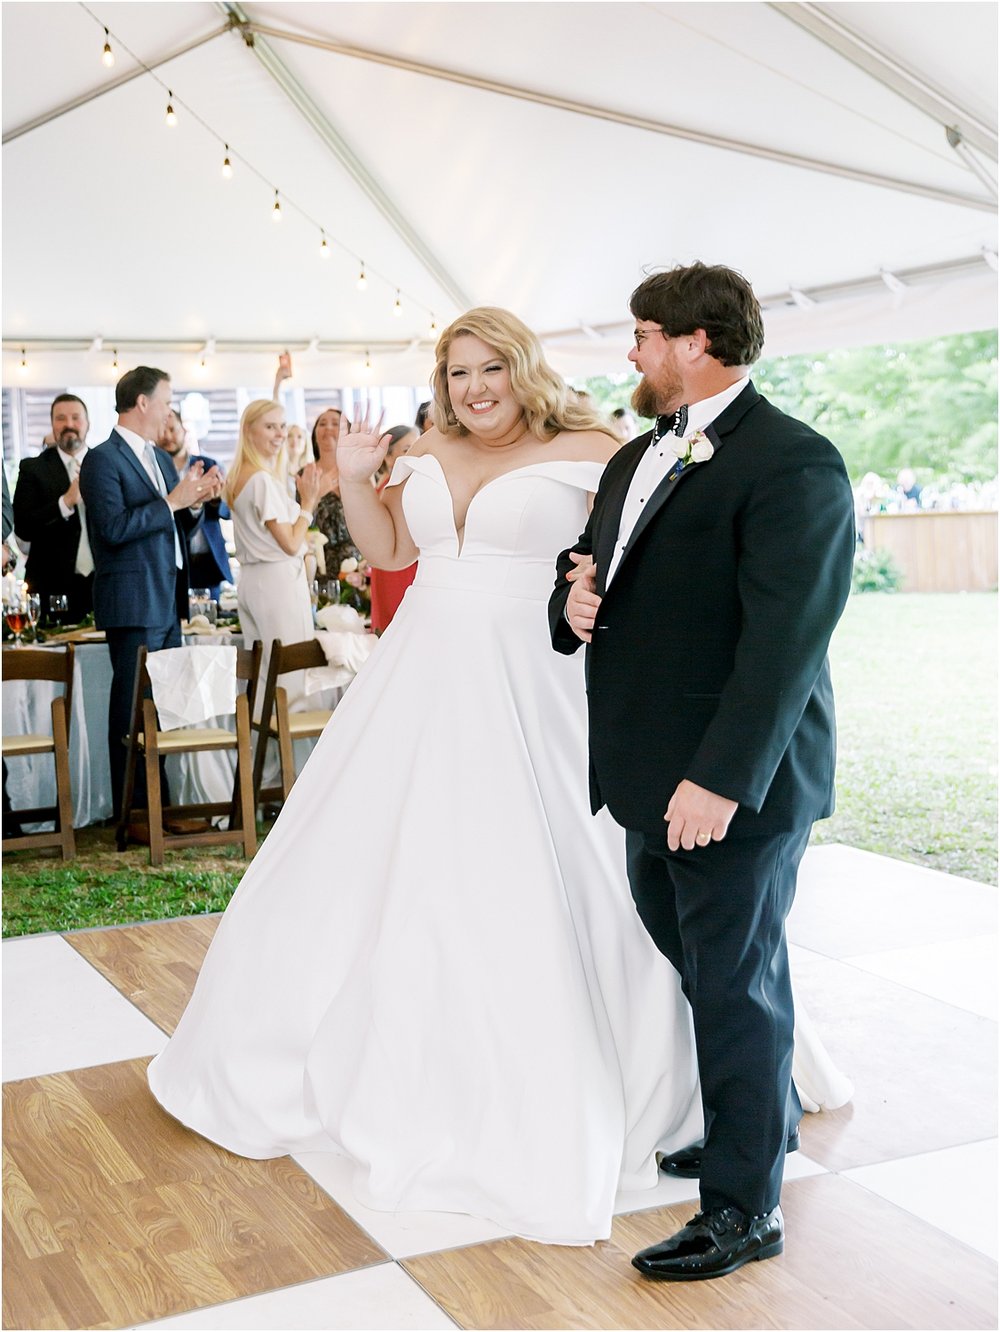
pixel 376 522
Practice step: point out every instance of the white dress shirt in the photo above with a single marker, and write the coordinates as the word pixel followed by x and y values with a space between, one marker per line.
pixel 84 557
pixel 658 459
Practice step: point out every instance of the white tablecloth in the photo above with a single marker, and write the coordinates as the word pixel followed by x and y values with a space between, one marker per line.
pixel 31 781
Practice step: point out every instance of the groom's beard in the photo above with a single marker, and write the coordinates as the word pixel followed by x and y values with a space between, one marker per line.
pixel 644 399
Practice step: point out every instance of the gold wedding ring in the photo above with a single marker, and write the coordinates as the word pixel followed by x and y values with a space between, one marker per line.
pixel 703 839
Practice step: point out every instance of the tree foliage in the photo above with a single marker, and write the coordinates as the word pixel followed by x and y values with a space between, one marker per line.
pixel 927 405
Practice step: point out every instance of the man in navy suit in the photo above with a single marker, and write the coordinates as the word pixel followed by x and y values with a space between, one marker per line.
pixel 139 514
pixel 209 562
pixel 712 572
pixel 48 514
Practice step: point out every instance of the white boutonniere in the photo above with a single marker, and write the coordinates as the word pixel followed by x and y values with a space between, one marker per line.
pixel 696 448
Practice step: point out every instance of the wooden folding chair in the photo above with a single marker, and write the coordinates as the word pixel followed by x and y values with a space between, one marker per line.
pixel 146 737
pixel 57 665
pixel 277 723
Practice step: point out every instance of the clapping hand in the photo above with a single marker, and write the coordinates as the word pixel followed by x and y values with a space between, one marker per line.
pixel 312 484
pixel 361 446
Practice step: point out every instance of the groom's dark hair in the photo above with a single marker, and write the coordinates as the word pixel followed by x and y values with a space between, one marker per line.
pixel 712 297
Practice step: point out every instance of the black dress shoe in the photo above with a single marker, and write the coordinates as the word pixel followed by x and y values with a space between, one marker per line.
pixel 713 1244
pixel 686 1164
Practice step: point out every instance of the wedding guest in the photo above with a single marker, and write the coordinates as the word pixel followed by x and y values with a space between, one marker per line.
pixel 389 585
pixel 908 488
pixel 623 424
pixel 329 517
pixel 270 533
pixel 296 448
pixel 208 561
pixel 425 417
pixel 139 514
pixel 49 516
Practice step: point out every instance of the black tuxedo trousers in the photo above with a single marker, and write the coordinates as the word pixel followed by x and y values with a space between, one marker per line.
pixel 733 963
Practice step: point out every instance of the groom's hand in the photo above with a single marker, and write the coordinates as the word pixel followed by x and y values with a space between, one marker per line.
pixel 696 817
pixel 583 602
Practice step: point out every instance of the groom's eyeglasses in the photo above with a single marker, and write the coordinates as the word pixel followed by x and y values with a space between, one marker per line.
pixel 641 334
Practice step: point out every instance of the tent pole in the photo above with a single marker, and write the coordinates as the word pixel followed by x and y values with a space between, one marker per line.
pixel 622 118
pixel 112 84
pixel 336 144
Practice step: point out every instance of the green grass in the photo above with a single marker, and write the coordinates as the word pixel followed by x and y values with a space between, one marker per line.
pixel 915 678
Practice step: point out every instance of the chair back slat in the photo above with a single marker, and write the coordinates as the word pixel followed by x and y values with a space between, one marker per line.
pixel 39 664
pixel 296 656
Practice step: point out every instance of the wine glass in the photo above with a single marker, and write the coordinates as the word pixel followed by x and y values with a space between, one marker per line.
pixel 33 607
pixel 58 607
pixel 15 612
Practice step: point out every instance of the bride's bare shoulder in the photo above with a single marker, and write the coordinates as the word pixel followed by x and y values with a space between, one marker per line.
pixel 431 441
pixel 586 445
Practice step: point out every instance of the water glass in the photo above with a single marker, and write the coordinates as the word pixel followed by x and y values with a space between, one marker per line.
pixel 59 608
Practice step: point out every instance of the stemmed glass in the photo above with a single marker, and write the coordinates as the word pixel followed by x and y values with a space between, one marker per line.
pixel 33 607
pixel 15 612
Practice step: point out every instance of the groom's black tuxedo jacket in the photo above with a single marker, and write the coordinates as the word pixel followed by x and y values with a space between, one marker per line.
pixel 708 659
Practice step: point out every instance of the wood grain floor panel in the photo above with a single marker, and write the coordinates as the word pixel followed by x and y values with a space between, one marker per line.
pixel 852 1260
pixel 155 965
pixel 115 1214
pixel 924 1072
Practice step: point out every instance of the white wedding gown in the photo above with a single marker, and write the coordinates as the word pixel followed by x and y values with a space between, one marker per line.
pixel 433 966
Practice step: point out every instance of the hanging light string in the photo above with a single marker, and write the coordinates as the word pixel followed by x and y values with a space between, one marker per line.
pixel 328 239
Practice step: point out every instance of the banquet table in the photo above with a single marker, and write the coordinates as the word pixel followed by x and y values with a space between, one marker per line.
pixel 31 783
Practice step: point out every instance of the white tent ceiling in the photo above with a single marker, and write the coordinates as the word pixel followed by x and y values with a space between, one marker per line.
pixel 540 156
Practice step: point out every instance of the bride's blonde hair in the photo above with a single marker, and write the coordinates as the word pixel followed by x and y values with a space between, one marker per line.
pixel 543 395
pixel 247 459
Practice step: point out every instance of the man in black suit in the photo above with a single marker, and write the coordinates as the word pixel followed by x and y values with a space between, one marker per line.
pixel 48 515
pixel 713 570
pixel 207 557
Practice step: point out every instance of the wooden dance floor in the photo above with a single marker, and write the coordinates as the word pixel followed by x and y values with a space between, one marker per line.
pixel 116 1217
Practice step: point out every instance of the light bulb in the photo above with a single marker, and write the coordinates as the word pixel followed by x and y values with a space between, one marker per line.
pixel 114 363
pixel 171 113
pixel 324 249
pixel 107 55
pixel 397 309
pixel 227 166
pixel 434 327
pixel 362 280
pixel 368 362
pixel 23 367
pixel 276 210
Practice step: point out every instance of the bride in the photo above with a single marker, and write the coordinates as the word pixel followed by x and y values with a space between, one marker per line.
pixel 470 1009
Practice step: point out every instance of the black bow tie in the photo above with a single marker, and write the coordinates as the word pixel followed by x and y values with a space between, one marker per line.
pixel 675 422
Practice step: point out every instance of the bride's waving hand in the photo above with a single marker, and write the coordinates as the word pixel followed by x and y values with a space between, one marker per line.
pixel 376 522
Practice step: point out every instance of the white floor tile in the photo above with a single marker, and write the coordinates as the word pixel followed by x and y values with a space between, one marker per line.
pixel 954 1189
pixel 403 1234
pixel 850 902
pixel 377 1297
pixel 59 1013
pixel 670 1190
pixel 962 972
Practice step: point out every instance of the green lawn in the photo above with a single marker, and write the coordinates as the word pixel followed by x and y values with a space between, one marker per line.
pixel 915 678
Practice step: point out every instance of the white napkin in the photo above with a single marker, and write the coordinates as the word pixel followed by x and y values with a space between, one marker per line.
pixel 192 684
pixel 346 646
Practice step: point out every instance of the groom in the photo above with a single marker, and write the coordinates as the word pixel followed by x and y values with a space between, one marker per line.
pixel 707 584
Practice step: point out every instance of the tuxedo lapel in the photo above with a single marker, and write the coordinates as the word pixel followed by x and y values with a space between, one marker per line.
pixel 613 501
pixel 724 424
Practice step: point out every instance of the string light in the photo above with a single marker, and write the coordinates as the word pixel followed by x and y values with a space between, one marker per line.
pixel 326 245
pixel 114 363
pixel 433 328
pixel 368 361
pixel 23 367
